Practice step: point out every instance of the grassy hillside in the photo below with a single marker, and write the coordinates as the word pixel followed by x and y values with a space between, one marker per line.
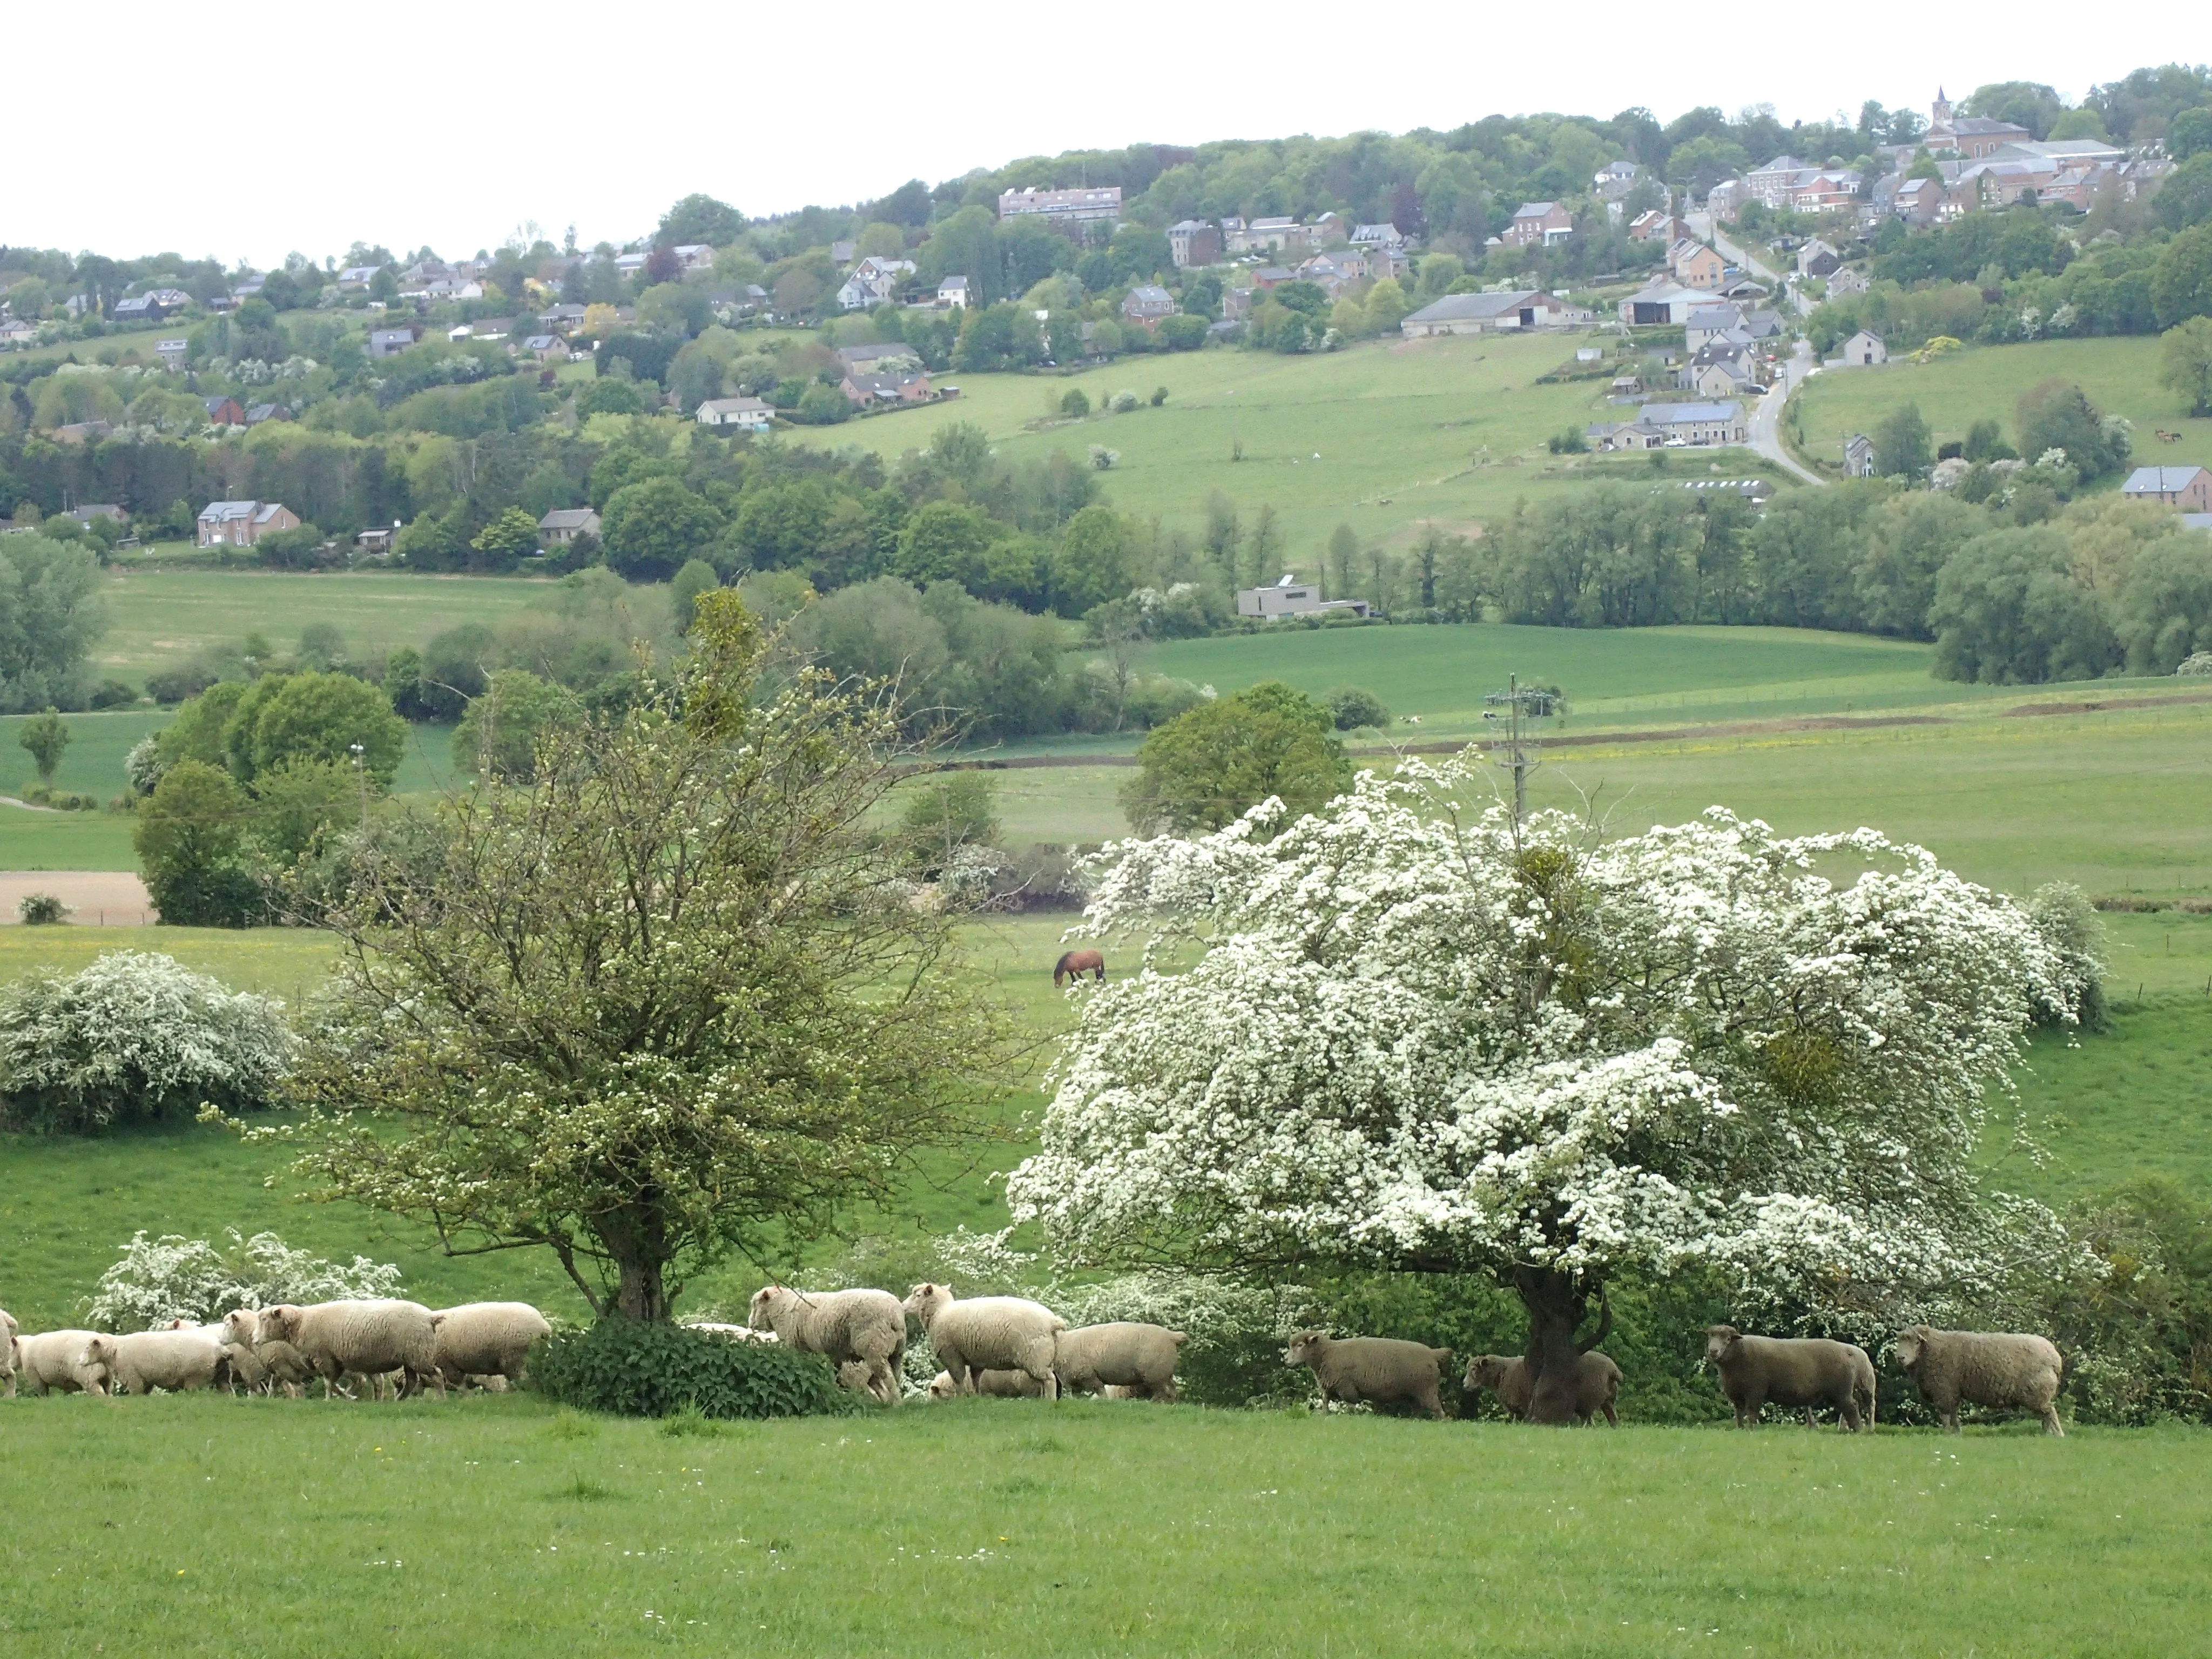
pixel 1984 382
pixel 156 617
pixel 1381 436
pixel 988 1528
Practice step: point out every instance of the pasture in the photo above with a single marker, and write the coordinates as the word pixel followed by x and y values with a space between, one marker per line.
pixel 1984 382
pixel 202 1525
pixel 1381 436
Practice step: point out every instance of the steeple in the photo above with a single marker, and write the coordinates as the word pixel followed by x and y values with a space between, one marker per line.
pixel 1940 109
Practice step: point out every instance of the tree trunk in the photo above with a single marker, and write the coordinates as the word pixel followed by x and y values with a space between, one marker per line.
pixel 635 1240
pixel 1557 1302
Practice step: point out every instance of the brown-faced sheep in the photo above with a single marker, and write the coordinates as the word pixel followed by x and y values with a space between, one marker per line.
pixel 1597 1385
pixel 987 1333
pixel 843 1326
pixel 1379 1370
pixel 1001 1385
pixel 367 1337
pixel 487 1338
pixel 1791 1372
pixel 65 1362
pixel 2002 1371
pixel 1139 1358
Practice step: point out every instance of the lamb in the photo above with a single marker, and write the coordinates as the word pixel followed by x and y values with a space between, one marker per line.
pixel 1378 1370
pixel 987 1333
pixel 1983 1368
pixel 1791 1371
pixel 370 1337
pixel 175 1360
pixel 487 1338
pixel 868 1326
pixel 1139 1358
pixel 66 1362
pixel 267 1365
pixel 8 1329
pixel 1003 1385
pixel 1597 1385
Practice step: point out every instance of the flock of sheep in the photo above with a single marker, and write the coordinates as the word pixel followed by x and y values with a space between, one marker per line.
pixel 992 1345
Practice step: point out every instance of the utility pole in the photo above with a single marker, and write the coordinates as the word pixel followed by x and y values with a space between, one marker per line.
pixel 1517 753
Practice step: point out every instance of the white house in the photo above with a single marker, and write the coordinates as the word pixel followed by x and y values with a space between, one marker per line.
pixel 1864 350
pixel 1291 597
pixel 873 281
pixel 747 414
pixel 952 293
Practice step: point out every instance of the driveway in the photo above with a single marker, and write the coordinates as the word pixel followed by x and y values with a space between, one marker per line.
pixel 1766 413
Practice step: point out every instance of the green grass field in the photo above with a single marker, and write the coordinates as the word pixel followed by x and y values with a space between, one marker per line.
pixel 1984 382
pixel 200 1525
pixel 159 616
pixel 1380 437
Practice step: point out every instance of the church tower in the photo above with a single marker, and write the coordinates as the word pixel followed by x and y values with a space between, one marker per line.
pixel 1940 110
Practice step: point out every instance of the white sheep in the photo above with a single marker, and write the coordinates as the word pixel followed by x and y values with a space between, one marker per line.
pixel 65 1362
pixel 868 1327
pixel 369 1337
pixel 987 1333
pixel 1003 1385
pixel 487 1338
pixel 1140 1359
pixel 8 1329
pixel 736 1333
pixel 174 1360
pixel 267 1365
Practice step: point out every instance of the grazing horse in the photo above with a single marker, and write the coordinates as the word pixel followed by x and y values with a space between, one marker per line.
pixel 1077 964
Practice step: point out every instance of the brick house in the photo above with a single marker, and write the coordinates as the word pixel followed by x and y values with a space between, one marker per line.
pixel 1193 242
pixel 2189 488
pixel 1696 265
pixel 1147 305
pixel 241 524
pixel 1539 224
pixel 224 411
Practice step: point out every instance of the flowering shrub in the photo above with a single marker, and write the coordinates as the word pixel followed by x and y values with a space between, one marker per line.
pixel 177 1278
pixel 636 1368
pixel 132 1037
pixel 1419 1038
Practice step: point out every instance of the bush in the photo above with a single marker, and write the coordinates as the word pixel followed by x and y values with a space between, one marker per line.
pixel 113 694
pixel 1233 1355
pixel 167 686
pixel 133 1036
pixel 630 1368
pixel 178 1278
pixel 1352 707
pixel 41 909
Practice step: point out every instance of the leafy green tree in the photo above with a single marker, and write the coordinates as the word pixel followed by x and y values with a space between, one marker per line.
pixel 946 540
pixel 2028 104
pixel 313 717
pixel 1205 768
pixel 2185 363
pixel 2181 282
pixel 2188 135
pixel 197 733
pixel 1386 306
pixel 191 840
pixel 2164 614
pixel 1182 332
pixel 44 737
pixel 653 527
pixel 290 550
pixel 1900 444
pixel 295 804
pixel 658 1014
pixel 947 810
pixel 696 577
pixel 780 525
pixel 2010 611
pixel 609 395
pixel 823 405
pixel 502 729
pixel 2184 199
pixel 2058 415
pixel 510 537
pixel 1351 707
pixel 1097 561
pixel 50 615
pixel 1075 402
pixel 701 219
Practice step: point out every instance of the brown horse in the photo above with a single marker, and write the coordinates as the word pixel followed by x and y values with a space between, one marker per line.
pixel 1077 964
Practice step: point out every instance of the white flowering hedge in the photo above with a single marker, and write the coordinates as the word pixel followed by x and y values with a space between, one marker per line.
pixel 172 1277
pixel 134 1036
pixel 1413 1038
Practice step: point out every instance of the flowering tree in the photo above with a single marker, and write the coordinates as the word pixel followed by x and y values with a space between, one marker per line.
pixel 1413 1038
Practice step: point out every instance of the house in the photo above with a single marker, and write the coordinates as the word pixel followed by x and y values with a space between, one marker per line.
pixel 250 286
pixel 841 252
pixel 375 543
pixel 241 524
pixel 1708 323
pixel 172 353
pixel 878 359
pixel 1673 426
pixel 1919 202
pixel 695 255
pixel 257 413
pixel 747 414
pixel 1616 179
pixel 1720 369
pixel 1146 304
pixel 1536 223
pixel 1087 206
pixel 874 282
pixel 1972 136
pixel 356 279
pixel 1846 279
pixel 92 510
pixel 1817 259
pixel 1277 234
pixel 952 293
pixel 1864 350
pixel 1653 226
pixel 558 319
pixel 1291 597
pixel 1696 265
pixel 1489 314
pixel 563 525
pixel 1236 305
pixel 1771 184
pixel 1193 242
pixel 1661 302
pixel 630 263
pixel 1269 276
pixel 224 411
pixel 1725 200
pixel 2189 488
pixel 15 331
pixel 389 341
pixel 1380 237
pixel 1858 456
pixel 547 348
pixel 886 390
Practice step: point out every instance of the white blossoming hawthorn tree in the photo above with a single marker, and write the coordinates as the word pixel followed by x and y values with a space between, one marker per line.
pixel 1412 1037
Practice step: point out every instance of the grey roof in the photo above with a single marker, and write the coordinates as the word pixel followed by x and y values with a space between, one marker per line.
pixel 1533 210
pixel 540 343
pixel 569 518
pixel 1707 317
pixel 1980 126
pixel 2196 521
pixel 1687 414
pixel 2159 480
pixel 853 356
pixel 220 511
pixel 1472 307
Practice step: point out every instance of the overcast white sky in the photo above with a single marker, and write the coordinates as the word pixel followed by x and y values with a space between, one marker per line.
pixel 246 133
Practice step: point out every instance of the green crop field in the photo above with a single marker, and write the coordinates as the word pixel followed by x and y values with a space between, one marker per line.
pixel 1381 436
pixel 198 1525
pixel 1984 382
pixel 157 616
